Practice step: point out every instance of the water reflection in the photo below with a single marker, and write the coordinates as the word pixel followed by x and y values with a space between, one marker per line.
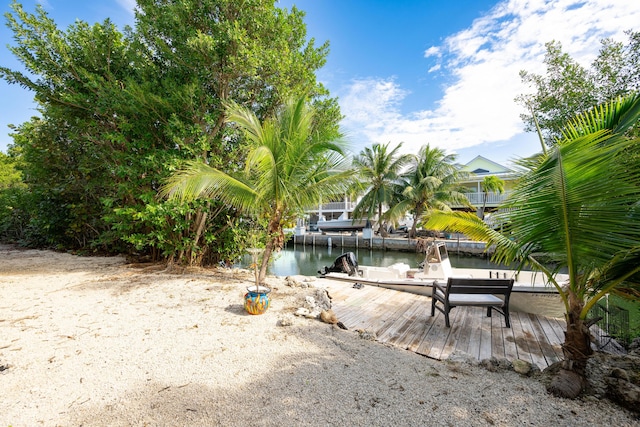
pixel 307 260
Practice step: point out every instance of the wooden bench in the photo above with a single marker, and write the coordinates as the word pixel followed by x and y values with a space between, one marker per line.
pixel 472 292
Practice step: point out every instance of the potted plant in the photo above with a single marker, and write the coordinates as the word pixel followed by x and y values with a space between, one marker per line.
pixel 256 300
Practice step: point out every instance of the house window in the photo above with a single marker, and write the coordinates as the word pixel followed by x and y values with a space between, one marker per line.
pixel 480 170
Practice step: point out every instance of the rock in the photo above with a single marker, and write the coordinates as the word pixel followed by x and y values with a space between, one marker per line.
pixel 521 366
pixel 494 364
pixel 459 356
pixel 287 320
pixel 616 377
pixel 366 335
pixel 290 281
pixel 323 301
pixel 305 312
pixel 566 383
pixel 624 393
pixel 328 316
pixel 310 303
pixel 302 311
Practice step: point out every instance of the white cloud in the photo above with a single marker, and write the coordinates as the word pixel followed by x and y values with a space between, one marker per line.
pixel 484 61
pixel 128 5
pixel 432 51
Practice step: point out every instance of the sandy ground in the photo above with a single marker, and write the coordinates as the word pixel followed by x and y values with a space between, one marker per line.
pixel 95 342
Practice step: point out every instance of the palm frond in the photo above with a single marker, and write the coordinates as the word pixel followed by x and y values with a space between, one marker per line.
pixel 200 181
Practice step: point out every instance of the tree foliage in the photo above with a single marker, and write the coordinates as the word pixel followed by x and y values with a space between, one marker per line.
pixel 121 110
pixel 568 88
pixel 490 184
pixel 577 205
pixel 431 182
pixel 291 165
pixel 378 170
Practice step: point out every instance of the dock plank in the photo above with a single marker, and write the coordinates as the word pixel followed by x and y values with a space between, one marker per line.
pixel 521 344
pixel 403 320
pixel 485 337
pixel 498 326
pixel 475 314
pixel 537 356
pixel 547 349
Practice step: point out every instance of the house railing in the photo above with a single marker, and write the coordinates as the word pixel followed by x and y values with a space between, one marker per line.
pixel 338 206
pixel 493 199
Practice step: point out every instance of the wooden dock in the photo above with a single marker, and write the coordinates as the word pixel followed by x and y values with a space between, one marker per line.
pixel 404 320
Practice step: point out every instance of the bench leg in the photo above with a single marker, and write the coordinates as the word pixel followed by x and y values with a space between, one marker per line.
pixel 433 306
pixel 507 320
pixel 489 311
pixel 446 319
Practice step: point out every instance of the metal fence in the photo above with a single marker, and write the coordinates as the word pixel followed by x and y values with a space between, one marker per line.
pixel 614 323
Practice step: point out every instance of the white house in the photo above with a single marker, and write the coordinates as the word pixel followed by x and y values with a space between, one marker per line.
pixel 478 169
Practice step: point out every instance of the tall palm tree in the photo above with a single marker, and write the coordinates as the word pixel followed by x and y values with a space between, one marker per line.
pixel 578 204
pixel 378 168
pixel 290 165
pixel 431 182
pixel 490 184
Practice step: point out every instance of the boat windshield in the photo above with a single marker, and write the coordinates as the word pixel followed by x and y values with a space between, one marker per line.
pixel 443 252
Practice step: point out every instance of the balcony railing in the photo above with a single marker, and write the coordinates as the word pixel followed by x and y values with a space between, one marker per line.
pixel 338 207
pixel 493 199
pixel 476 199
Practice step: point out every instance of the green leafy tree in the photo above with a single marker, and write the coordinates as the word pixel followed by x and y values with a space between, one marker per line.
pixel 578 206
pixel 490 184
pixel 431 182
pixel 10 176
pixel 121 111
pixel 378 170
pixel 291 165
pixel 568 88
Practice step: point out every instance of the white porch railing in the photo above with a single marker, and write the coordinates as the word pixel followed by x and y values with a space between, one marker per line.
pixel 338 207
pixel 493 199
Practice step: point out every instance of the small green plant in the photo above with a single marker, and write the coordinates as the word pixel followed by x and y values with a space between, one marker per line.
pixel 256 238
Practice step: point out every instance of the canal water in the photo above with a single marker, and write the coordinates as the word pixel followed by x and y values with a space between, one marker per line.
pixel 307 260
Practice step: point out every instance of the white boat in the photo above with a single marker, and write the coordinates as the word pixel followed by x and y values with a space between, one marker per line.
pixel 344 223
pixel 531 291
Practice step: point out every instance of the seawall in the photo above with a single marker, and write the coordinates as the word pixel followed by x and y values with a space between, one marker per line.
pixel 393 243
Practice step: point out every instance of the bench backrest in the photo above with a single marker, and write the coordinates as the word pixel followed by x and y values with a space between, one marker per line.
pixel 461 285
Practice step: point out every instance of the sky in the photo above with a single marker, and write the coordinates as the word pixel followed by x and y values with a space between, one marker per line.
pixel 443 73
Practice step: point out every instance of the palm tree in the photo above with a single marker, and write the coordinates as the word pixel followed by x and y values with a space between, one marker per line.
pixel 429 183
pixel 290 165
pixel 378 169
pixel 578 204
pixel 490 184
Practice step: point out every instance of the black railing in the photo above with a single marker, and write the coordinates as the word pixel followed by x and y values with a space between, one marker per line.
pixel 613 323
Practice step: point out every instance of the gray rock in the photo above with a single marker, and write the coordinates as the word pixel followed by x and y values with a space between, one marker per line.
pixel 522 366
pixel 616 377
pixel 366 335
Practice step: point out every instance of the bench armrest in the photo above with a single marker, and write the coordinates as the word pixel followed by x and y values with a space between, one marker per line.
pixel 439 287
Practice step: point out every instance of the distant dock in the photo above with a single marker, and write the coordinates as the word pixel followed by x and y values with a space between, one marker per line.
pixel 391 243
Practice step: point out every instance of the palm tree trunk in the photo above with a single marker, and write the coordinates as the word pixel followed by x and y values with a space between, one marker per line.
pixel 414 226
pixel 201 220
pixel 275 240
pixel 266 255
pixel 571 379
pixel 381 228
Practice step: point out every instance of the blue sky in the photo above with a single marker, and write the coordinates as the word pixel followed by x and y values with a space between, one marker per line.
pixel 417 72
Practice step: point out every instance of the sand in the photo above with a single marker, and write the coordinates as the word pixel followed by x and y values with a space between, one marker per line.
pixel 92 341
